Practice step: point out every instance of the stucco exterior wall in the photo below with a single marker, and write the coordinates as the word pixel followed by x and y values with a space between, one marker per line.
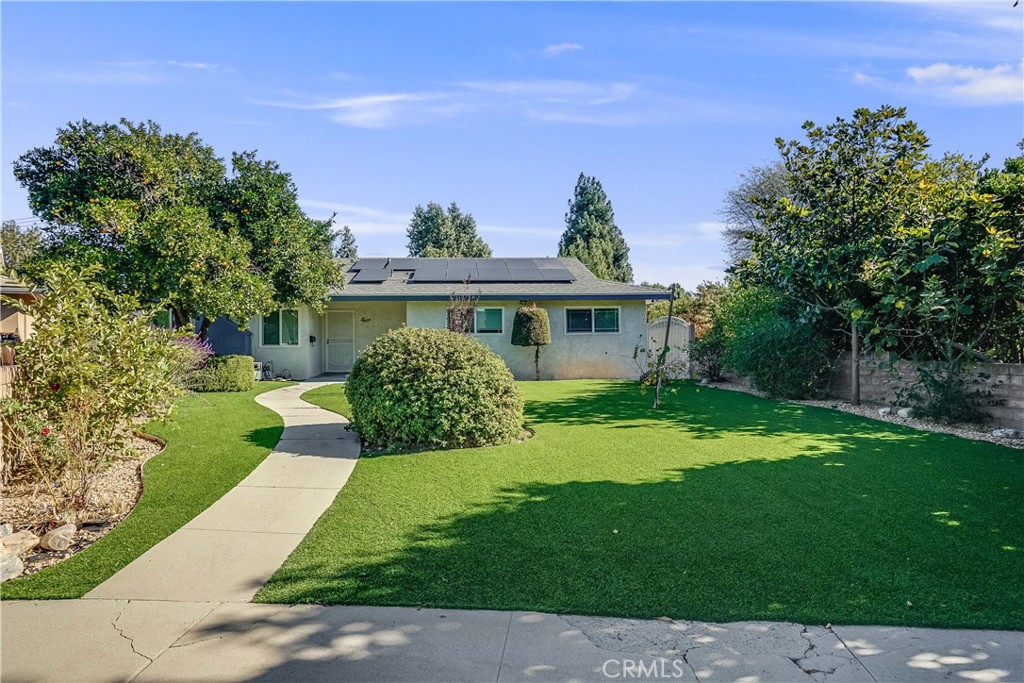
pixel 569 356
pixel 372 319
pixel 295 359
pixel 13 321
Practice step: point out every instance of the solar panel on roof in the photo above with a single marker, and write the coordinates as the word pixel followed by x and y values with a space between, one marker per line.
pixel 492 275
pixel 370 264
pixel 548 264
pixel 562 275
pixel 404 263
pixel 375 275
pixel 524 275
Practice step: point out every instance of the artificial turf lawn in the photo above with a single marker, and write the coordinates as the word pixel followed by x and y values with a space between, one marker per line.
pixel 330 397
pixel 213 441
pixel 720 507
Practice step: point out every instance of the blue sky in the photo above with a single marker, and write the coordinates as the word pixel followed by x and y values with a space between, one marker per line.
pixel 375 108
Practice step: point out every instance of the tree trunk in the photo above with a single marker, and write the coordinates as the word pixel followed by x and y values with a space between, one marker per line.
pixel 536 361
pixel 180 318
pixel 204 327
pixel 854 364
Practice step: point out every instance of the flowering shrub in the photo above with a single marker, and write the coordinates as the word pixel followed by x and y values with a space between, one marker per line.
pixel 93 366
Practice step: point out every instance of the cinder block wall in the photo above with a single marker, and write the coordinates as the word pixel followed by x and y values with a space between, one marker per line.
pixel 880 377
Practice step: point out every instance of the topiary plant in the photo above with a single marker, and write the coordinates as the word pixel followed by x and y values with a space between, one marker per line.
pixel 532 328
pixel 418 387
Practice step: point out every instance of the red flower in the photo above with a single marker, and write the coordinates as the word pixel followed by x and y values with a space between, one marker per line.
pixel 55 387
pixel 45 431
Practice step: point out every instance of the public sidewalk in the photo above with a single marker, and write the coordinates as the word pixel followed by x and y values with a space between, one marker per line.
pixel 119 640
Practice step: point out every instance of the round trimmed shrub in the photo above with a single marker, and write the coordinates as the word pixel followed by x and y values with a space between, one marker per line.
pixel 418 387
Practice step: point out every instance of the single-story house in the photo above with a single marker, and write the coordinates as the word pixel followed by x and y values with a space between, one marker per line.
pixel 596 324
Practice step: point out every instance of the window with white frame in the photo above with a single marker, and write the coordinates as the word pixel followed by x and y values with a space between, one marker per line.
pixel 486 321
pixel 591 320
pixel 281 328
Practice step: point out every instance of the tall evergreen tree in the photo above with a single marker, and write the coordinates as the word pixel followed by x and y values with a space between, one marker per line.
pixel 591 234
pixel 346 245
pixel 434 232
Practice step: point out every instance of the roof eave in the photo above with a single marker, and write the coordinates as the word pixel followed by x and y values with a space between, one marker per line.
pixel 533 296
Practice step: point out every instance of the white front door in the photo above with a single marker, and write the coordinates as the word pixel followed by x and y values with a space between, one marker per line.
pixel 341 343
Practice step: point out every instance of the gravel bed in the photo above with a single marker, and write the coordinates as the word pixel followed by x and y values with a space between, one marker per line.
pixel 967 431
pixel 114 493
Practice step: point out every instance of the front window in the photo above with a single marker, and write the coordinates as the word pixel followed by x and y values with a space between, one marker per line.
pixel 590 320
pixel 281 328
pixel 488 321
pixel 484 321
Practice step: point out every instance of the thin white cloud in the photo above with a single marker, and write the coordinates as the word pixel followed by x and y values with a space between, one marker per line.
pixel 208 67
pixel 381 110
pixel 363 220
pixel 954 83
pixel 999 84
pixel 561 48
pixel 557 91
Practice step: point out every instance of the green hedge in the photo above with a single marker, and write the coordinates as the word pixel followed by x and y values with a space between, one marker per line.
pixel 225 373
pixel 415 387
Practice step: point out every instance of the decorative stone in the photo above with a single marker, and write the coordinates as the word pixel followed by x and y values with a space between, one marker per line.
pixel 19 543
pixel 905 412
pixel 1007 434
pixel 11 566
pixel 58 539
pixel 6 529
pixel 884 412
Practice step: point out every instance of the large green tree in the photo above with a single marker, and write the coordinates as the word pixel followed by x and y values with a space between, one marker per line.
pixel 740 209
pixel 907 252
pixel 347 248
pixel 847 189
pixel 19 243
pixel 591 234
pixel 164 221
pixel 437 233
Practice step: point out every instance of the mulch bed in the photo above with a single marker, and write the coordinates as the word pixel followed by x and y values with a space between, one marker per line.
pixel 115 491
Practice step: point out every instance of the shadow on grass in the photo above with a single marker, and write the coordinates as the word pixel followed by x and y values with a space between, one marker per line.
pixel 862 537
pixel 703 412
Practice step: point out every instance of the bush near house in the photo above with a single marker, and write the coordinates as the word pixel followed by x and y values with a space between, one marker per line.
pixel 415 387
pixel 91 369
pixel 225 373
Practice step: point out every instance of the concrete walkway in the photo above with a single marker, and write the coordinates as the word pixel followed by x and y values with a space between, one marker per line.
pixel 230 550
pixel 181 613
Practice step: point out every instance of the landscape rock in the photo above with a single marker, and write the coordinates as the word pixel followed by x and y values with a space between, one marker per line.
pixel 6 529
pixel 1007 434
pixel 885 412
pixel 58 539
pixel 20 543
pixel 905 412
pixel 11 566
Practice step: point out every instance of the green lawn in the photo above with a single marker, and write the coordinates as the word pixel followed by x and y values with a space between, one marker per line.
pixel 330 397
pixel 721 507
pixel 213 442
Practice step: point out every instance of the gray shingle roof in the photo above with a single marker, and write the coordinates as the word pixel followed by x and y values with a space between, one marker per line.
pixel 586 286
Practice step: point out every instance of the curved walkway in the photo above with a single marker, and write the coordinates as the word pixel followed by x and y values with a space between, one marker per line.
pixel 231 549
pixel 180 612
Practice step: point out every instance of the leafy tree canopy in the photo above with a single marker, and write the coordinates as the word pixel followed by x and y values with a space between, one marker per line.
pixel 346 245
pixel 164 221
pixel 591 234
pixel 19 243
pixel 437 233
